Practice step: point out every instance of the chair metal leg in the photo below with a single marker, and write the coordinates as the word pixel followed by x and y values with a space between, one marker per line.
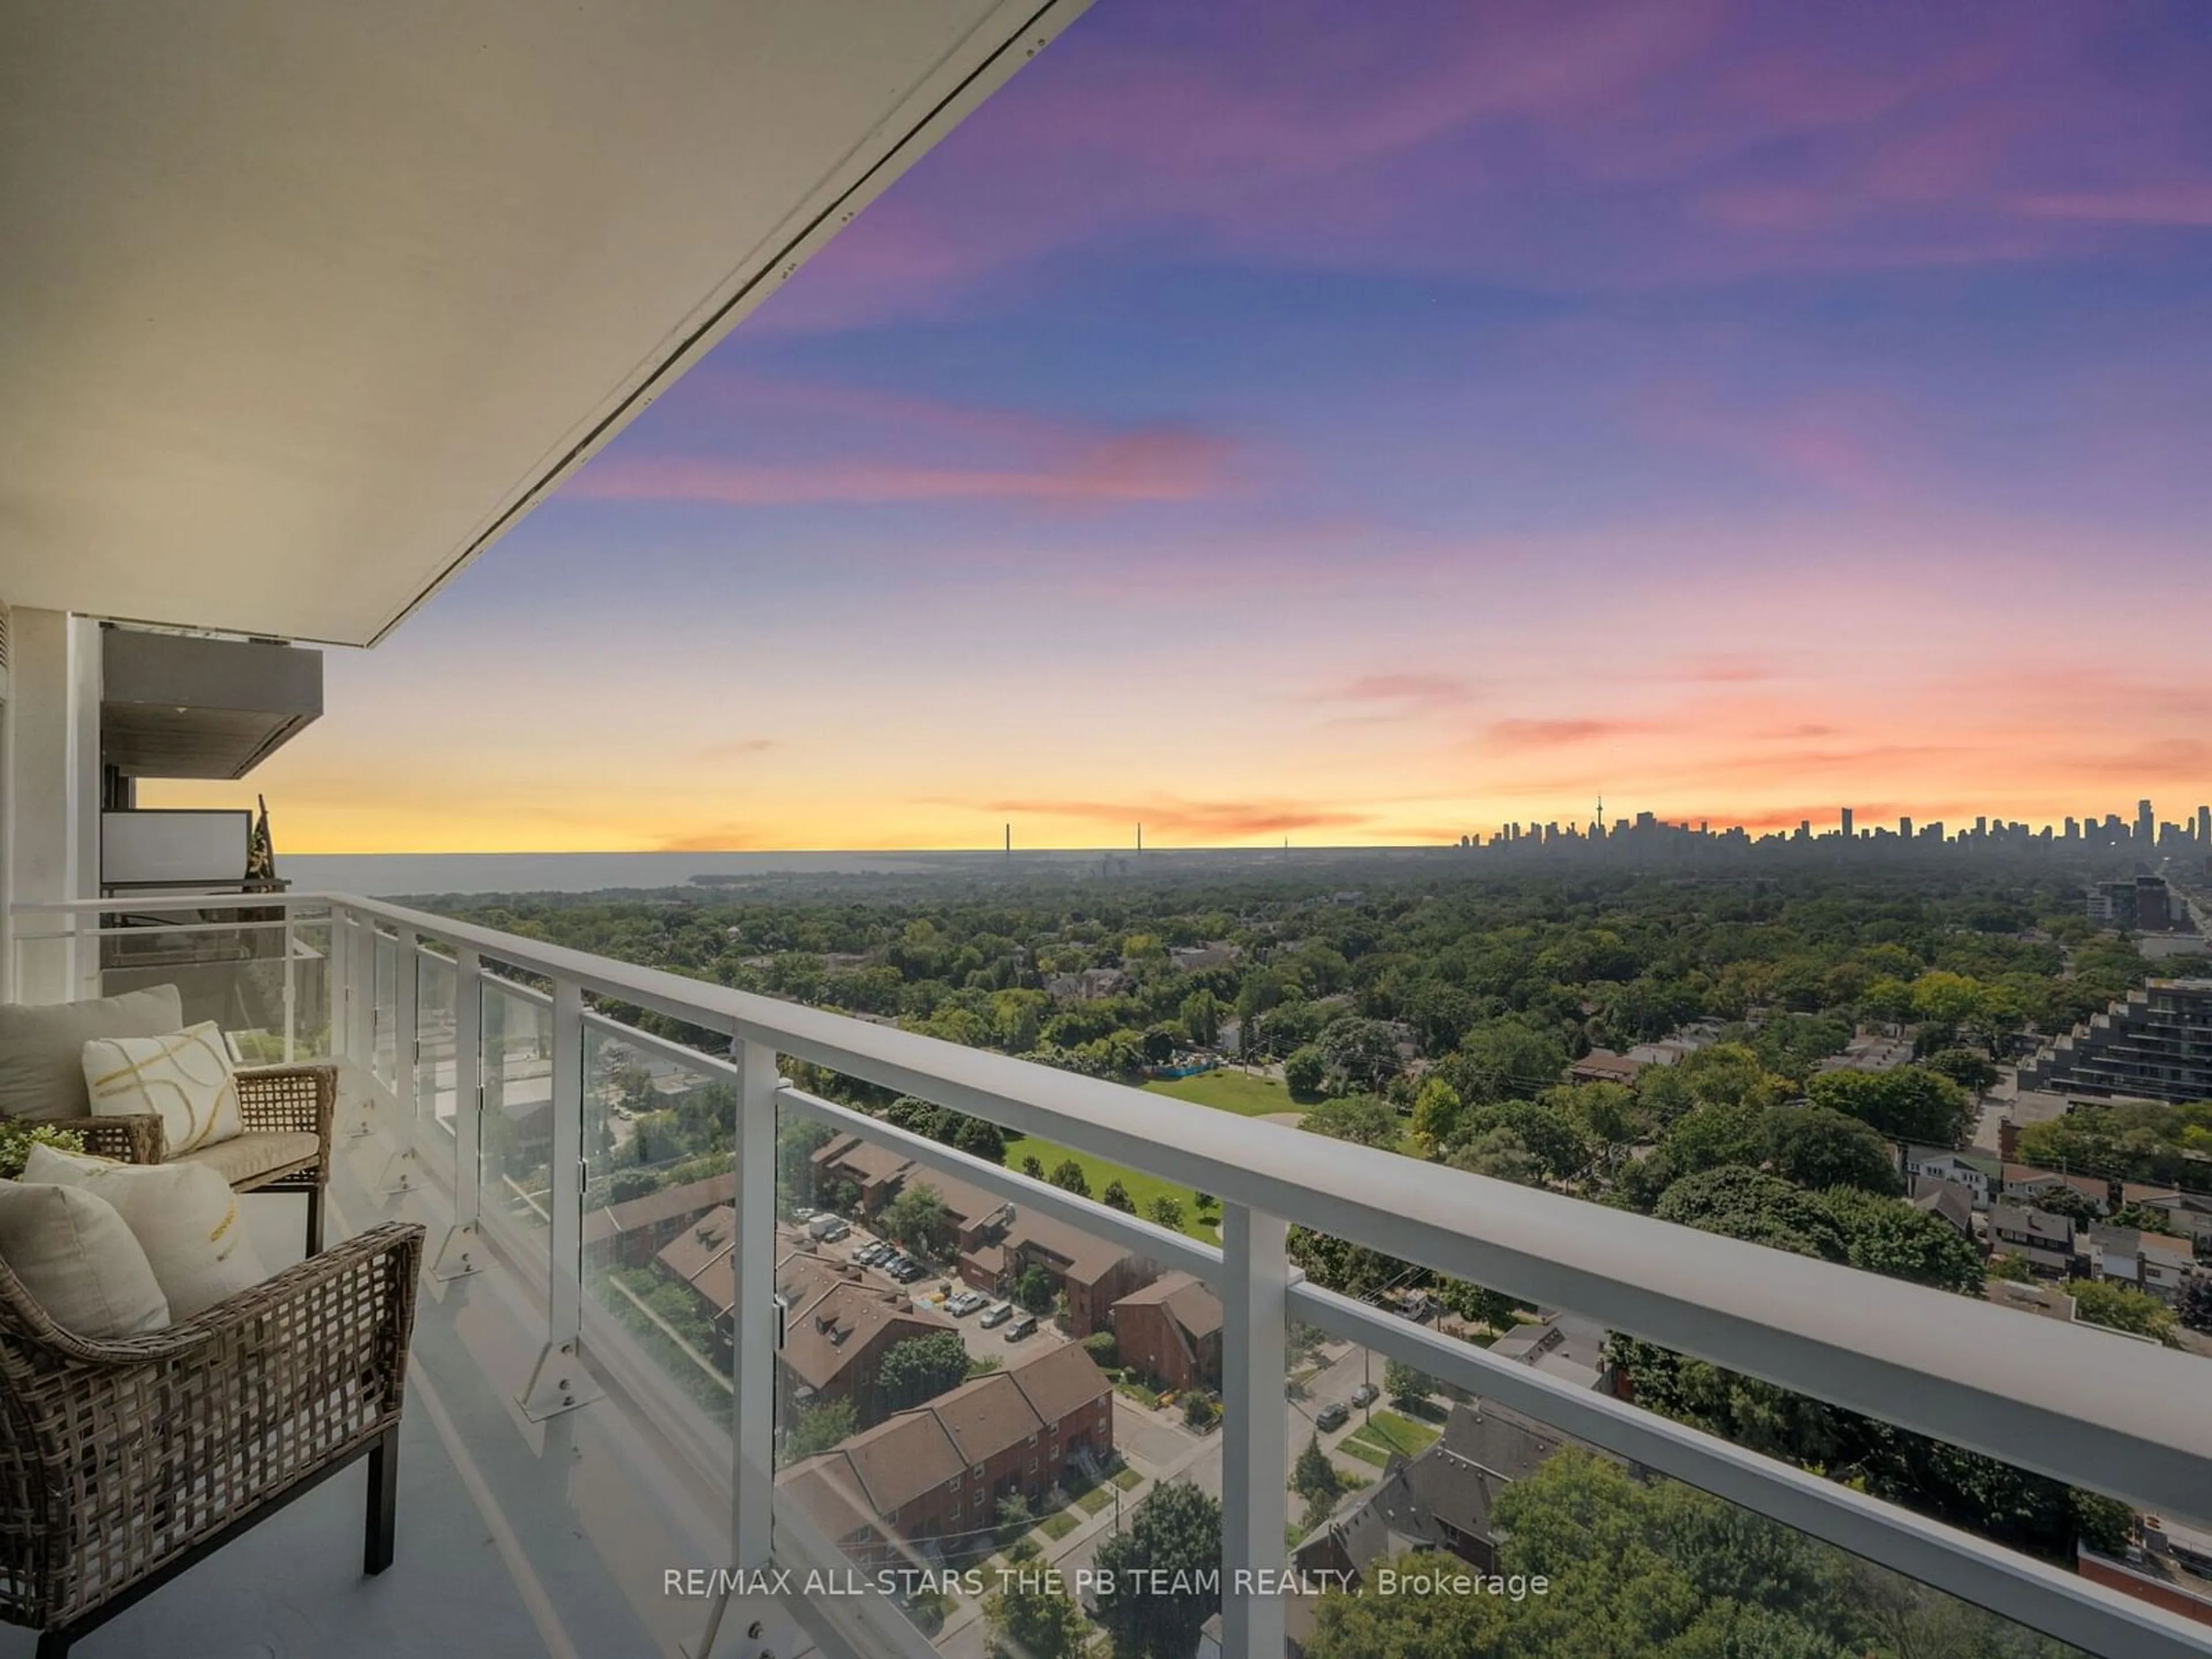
pixel 383 1503
pixel 315 1219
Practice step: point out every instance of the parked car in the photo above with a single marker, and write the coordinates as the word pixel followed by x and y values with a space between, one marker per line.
pixel 872 1252
pixel 911 1271
pixel 1026 1326
pixel 803 1212
pixel 838 1228
pixel 960 1304
pixel 1333 1415
pixel 998 1314
pixel 1365 1394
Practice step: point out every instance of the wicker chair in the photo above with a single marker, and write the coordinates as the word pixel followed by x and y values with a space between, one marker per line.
pixel 123 1462
pixel 293 1102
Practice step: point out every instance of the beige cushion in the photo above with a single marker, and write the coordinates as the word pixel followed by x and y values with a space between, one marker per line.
pixel 184 1078
pixel 42 1047
pixel 79 1262
pixel 256 1152
pixel 183 1215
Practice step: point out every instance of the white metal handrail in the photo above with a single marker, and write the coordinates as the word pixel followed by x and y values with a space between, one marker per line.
pixel 2067 1403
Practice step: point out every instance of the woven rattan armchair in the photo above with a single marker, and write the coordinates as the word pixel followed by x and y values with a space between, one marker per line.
pixel 123 1462
pixel 281 1106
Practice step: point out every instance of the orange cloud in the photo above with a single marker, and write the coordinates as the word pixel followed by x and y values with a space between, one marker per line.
pixel 1518 735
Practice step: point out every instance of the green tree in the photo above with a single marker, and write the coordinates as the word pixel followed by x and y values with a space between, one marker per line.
pixel 1888 1236
pixel 1437 1112
pixel 1752 1205
pixel 1500 1154
pixel 1167 1212
pixel 1067 1175
pixel 1947 999
pixel 1361 1118
pixel 1175 1532
pixel 1555 1138
pixel 1033 1166
pixel 2119 1309
pixel 1200 1016
pixel 917 1218
pixel 1034 1620
pixel 1817 1146
pixel 1407 1385
pixel 1116 1197
pixel 818 1428
pixel 922 1367
pixel 1907 1103
pixel 1305 1071
pixel 1313 1476
pixel 1033 1290
pixel 1363 1052
pixel 1504 1059
pixel 1476 1303
pixel 1970 1068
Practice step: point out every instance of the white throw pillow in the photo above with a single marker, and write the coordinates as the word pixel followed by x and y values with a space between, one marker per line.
pixel 184 1216
pixel 79 1262
pixel 184 1078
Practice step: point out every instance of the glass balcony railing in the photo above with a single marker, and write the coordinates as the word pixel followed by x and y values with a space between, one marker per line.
pixel 905 1352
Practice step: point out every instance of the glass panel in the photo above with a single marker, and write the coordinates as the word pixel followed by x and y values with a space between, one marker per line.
pixel 1438 1520
pixel 435 1099
pixel 1070 1384
pixel 518 1118
pixel 659 1211
pixel 308 989
pixel 384 1054
pixel 232 970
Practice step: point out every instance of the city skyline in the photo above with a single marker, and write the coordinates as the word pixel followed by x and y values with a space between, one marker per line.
pixel 1301 421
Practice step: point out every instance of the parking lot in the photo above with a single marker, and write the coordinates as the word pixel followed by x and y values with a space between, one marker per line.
pixel 938 1284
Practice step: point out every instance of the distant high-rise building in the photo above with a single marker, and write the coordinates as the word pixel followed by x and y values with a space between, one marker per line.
pixel 1847 823
pixel 2073 830
pixel 2146 826
pixel 2204 828
pixel 1982 826
pixel 1905 829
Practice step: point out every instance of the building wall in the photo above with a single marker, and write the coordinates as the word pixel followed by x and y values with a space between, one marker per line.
pixel 1147 1335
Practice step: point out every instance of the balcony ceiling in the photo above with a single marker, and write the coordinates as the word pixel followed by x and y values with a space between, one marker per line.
pixel 301 306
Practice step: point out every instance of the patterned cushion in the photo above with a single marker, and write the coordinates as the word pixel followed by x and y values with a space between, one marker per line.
pixel 184 1216
pixel 79 1262
pixel 42 1047
pixel 184 1078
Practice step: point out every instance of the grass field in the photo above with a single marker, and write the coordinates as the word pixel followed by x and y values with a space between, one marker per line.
pixel 1227 1090
pixel 1126 1478
pixel 1059 1524
pixel 1143 1188
pixel 1095 1499
pixel 1351 1446
pixel 1387 1431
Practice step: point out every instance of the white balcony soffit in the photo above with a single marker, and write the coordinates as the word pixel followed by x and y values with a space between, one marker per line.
pixel 301 306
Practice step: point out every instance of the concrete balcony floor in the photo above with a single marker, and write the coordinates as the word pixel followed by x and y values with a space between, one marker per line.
pixel 516 1540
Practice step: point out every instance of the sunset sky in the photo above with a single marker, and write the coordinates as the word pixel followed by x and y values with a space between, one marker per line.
pixel 1368 422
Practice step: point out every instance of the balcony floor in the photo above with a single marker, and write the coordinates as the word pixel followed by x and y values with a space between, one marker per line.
pixel 516 1540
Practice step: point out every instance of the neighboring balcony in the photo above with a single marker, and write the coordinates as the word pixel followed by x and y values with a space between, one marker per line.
pixel 642 1357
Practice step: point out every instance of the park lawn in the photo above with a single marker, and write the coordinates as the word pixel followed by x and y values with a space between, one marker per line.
pixel 1352 1446
pixel 1229 1090
pixel 1142 1189
pixel 1095 1499
pixel 1127 1479
pixel 1388 1431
